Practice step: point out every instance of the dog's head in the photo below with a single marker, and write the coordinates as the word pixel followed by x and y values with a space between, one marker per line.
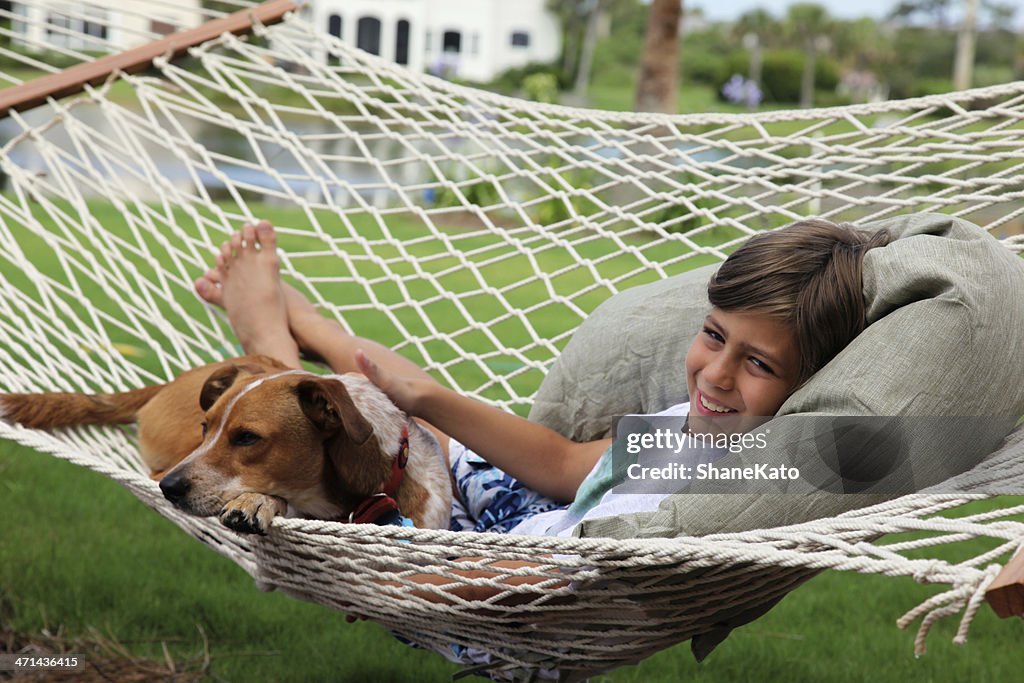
pixel 293 435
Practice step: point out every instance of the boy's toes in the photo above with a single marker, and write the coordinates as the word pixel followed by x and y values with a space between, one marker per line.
pixel 209 290
pixel 248 236
pixel 236 243
pixel 266 238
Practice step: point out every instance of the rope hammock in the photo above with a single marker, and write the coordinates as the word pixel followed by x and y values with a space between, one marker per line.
pixel 473 233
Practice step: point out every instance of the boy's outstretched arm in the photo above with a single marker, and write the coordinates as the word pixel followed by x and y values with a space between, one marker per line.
pixel 539 457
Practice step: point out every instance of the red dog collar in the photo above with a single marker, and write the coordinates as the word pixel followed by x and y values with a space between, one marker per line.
pixel 375 508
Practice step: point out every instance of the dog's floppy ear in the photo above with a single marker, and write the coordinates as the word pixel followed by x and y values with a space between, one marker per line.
pixel 216 384
pixel 329 407
pixel 222 379
pixel 350 446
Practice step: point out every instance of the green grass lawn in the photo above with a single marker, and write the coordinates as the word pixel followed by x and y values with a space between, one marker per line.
pixel 79 551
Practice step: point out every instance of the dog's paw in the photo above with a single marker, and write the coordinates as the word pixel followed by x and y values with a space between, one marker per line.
pixel 251 513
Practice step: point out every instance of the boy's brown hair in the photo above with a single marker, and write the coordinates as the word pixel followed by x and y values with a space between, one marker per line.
pixel 808 275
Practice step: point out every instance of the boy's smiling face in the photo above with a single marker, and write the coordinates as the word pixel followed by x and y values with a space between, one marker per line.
pixel 741 364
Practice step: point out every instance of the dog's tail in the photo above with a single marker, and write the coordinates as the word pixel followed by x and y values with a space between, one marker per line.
pixel 57 409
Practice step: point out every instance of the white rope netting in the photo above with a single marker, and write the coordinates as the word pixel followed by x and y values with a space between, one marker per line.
pixel 473 233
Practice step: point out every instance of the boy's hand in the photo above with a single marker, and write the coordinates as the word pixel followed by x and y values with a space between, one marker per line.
pixel 401 390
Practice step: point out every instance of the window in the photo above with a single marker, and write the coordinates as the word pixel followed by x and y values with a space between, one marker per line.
pixel 368 35
pixel 94 29
pixel 54 24
pixel 84 31
pixel 402 42
pixel 334 25
pixel 520 39
pixel 452 42
pixel 20 12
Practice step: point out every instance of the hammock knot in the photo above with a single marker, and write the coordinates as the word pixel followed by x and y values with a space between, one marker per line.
pixel 927 572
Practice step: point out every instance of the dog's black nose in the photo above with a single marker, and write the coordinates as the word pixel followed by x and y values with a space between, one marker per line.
pixel 175 487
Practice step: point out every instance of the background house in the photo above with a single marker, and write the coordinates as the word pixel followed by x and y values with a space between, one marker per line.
pixel 471 39
pixel 100 25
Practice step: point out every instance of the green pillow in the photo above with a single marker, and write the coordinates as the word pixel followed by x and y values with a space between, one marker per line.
pixel 944 314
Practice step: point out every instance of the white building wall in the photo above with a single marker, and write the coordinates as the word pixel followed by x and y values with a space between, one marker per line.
pixel 485 27
pixel 127 23
pixel 528 16
pixel 388 12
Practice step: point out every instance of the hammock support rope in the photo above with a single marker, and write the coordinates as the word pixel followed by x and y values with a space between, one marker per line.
pixel 472 232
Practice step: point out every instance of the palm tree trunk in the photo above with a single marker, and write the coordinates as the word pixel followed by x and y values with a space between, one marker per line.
pixel 658 84
pixel 587 52
pixel 807 79
pixel 963 67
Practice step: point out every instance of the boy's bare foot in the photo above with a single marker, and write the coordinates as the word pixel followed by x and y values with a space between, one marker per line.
pixel 247 284
pixel 304 321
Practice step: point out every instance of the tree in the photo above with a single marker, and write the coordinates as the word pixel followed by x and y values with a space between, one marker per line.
pixel 999 13
pixel 756 28
pixel 570 17
pixel 938 10
pixel 658 83
pixel 963 64
pixel 587 51
pixel 809 23
pixel 863 45
pixel 579 20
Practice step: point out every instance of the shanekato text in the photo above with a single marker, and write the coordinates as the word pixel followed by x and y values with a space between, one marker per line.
pixel 705 471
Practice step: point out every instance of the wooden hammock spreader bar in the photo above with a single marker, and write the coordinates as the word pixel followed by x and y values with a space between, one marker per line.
pixel 1006 594
pixel 74 79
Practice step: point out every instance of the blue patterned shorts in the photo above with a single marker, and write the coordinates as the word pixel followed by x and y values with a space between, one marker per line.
pixel 489 499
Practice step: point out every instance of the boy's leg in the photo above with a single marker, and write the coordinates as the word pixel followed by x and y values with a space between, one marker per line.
pixel 328 340
pixel 247 284
pixel 262 309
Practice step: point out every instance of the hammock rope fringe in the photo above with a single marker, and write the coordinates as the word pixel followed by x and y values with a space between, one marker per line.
pixel 472 232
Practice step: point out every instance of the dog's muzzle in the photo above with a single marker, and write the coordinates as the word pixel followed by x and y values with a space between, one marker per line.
pixel 175 488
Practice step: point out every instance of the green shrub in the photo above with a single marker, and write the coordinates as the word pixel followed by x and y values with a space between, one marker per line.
pixel 511 81
pixel 992 74
pixel 541 87
pixel 707 68
pixel 781 73
pixel 922 87
pixel 615 75
pixel 708 57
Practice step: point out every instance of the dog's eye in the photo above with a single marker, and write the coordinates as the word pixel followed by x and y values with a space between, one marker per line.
pixel 245 438
pixel 205 427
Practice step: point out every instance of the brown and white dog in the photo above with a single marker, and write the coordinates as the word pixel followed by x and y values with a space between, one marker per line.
pixel 248 439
